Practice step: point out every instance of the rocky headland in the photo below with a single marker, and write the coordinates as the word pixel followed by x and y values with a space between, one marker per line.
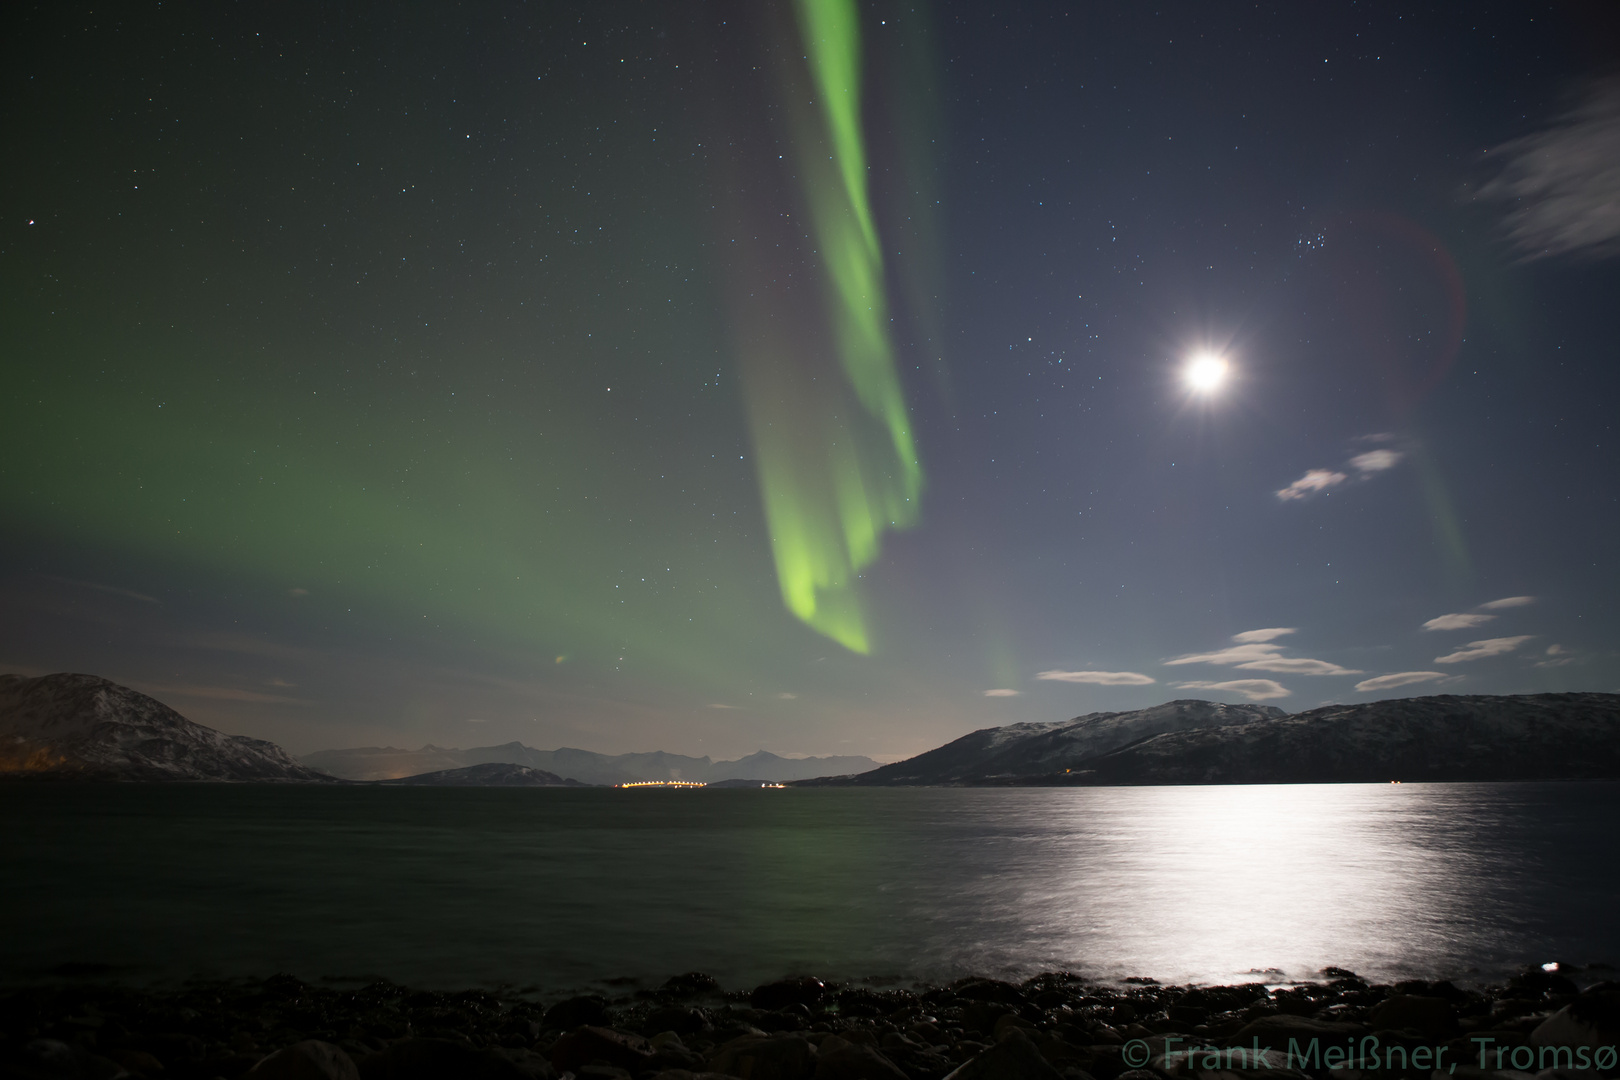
pixel 1056 1025
pixel 71 726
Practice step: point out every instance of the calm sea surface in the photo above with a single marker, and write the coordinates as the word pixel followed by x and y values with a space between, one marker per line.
pixel 564 888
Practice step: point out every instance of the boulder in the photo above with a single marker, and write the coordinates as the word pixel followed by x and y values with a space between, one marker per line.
pixel 681 1019
pixel 840 1059
pixel 570 1013
pixel 431 1059
pixel 984 1015
pixel 1431 1016
pixel 307 1060
pixel 1013 1058
pixel 804 991
pixel 1006 1022
pixel 770 1057
pixel 1273 1032
pixel 48 1059
pixel 1592 1020
pixel 138 1062
pixel 601 1046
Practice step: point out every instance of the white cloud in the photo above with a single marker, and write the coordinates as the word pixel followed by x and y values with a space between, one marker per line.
pixel 1457 622
pixel 1250 636
pixel 1232 654
pixel 1563 183
pixel 1253 689
pixel 1257 653
pixel 1002 692
pixel 1559 657
pixel 1375 461
pixel 785 696
pixel 1479 650
pixel 1313 481
pixel 1509 601
pixel 1100 678
pixel 1297 665
pixel 717 705
pixel 1400 678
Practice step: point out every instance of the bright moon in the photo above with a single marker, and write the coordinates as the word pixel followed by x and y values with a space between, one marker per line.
pixel 1205 373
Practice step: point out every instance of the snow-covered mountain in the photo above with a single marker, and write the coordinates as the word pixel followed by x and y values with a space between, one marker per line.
pixel 1444 737
pixel 999 755
pixel 82 726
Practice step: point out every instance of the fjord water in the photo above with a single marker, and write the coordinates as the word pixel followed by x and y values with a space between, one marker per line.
pixel 566 888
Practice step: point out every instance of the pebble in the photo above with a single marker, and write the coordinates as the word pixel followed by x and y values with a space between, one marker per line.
pixel 1056 1025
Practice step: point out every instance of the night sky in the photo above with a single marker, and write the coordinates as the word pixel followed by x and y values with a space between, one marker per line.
pixel 716 376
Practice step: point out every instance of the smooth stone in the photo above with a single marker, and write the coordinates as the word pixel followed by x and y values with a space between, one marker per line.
pixel 311 1059
pixel 779 1057
pixel 840 1059
pixel 1014 1058
pixel 431 1059
pixel 603 1045
pixel 1429 1015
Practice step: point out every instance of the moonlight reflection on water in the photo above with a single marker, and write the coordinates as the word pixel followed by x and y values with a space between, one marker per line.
pixel 563 887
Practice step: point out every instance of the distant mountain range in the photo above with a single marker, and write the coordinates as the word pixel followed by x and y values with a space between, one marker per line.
pixel 494 774
pixel 388 763
pixel 84 727
pixel 1441 738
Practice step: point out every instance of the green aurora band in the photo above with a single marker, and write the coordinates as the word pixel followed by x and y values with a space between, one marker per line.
pixel 827 515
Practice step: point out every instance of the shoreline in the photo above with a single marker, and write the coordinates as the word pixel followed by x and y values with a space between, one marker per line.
pixel 1055 1024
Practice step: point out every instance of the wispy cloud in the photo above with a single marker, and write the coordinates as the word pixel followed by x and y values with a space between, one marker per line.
pixel 1557 656
pixel 785 696
pixel 1297 665
pixel 1366 464
pixel 1312 482
pixel 1457 622
pixel 1268 634
pixel 1002 692
pixel 1263 656
pixel 128 594
pixel 219 693
pixel 1509 601
pixel 1479 650
pixel 1400 678
pixel 1233 654
pixel 717 705
pixel 1376 461
pixel 1253 689
pixel 1563 184
pixel 1100 678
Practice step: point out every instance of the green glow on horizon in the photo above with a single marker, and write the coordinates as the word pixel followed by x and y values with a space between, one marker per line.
pixel 827 513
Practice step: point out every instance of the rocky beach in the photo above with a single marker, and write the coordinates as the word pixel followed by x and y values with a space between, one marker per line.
pixel 1339 1027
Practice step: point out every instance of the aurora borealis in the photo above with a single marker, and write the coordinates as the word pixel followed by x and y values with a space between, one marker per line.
pixel 801 375
pixel 837 467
